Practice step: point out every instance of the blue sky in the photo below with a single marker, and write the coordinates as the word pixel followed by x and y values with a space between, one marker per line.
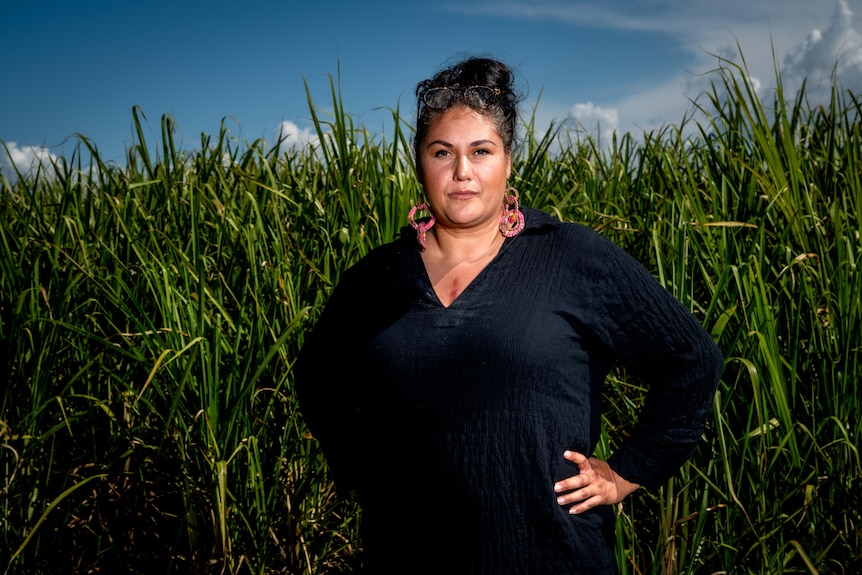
pixel 80 67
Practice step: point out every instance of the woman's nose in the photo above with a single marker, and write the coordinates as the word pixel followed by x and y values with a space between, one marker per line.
pixel 463 168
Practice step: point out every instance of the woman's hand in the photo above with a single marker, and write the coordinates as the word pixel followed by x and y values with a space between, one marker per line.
pixel 595 484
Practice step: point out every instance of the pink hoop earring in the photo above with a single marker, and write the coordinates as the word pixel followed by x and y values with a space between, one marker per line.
pixel 421 227
pixel 512 221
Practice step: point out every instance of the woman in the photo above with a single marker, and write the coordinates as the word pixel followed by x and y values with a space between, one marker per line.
pixel 454 377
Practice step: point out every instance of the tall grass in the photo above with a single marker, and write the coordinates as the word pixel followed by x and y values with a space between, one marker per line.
pixel 150 315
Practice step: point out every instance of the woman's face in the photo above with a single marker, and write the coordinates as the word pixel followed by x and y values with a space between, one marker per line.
pixel 464 168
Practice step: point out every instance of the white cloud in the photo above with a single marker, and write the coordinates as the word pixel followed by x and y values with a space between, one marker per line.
pixel 594 119
pixel 290 136
pixel 823 55
pixel 694 24
pixel 757 36
pixel 837 50
pixel 26 159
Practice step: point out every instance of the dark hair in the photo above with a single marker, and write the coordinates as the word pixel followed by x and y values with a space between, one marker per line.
pixel 502 109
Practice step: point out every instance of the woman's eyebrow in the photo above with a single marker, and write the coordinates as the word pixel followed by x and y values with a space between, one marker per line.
pixel 477 143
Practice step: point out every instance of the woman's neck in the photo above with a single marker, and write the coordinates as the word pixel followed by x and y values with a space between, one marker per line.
pixel 467 246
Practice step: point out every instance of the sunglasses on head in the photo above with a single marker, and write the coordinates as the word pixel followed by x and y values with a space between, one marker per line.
pixel 476 96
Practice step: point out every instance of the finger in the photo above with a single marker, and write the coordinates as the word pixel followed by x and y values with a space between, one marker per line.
pixel 576 496
pixel 579 459
pixel 585 505
pixel 570 484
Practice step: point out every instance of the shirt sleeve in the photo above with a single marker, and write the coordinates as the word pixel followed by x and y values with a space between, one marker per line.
pixel 369 296
pixel 322 381
pixel 651 333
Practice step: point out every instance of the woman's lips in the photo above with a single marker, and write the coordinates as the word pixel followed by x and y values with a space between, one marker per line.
pixel 463 195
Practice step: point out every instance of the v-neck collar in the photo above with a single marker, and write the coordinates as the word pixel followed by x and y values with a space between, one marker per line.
pixel 534 220
pixel 431 294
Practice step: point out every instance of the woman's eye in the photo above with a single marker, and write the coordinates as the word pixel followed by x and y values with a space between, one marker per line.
pixel 441 153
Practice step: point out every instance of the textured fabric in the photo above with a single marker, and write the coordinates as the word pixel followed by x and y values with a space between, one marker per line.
pixel 450 423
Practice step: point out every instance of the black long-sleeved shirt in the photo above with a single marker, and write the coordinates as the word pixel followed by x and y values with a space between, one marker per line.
pixel 450 422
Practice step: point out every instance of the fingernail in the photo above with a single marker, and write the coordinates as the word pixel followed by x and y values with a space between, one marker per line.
pixel 558 487
pixel 560 501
